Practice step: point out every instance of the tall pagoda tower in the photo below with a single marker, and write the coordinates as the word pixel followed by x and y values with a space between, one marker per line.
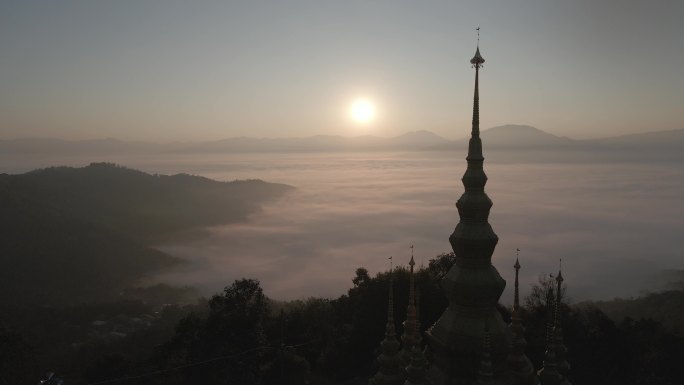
pixel 473 286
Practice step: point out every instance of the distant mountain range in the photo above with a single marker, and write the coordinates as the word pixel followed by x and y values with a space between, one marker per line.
pixel 660 144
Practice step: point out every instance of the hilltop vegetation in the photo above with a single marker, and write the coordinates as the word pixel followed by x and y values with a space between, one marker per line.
pixel 666 307
pixel 242 336
pixel 69 235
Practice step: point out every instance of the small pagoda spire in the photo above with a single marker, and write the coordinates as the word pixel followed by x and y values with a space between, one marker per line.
pixel 410 338
pixel 485 376
pixel 550 312
pixel 516 294
pixel 417 369
pixel 520 365
pixel 418 324
pixel 412 282
pixel 550 373
pixel 391 371
pixel 561 351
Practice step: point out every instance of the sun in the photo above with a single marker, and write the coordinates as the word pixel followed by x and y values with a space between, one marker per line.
pixel 362 111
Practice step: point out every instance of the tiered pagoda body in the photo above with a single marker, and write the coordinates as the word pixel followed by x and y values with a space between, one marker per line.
pixel 473 286
pixel 470 343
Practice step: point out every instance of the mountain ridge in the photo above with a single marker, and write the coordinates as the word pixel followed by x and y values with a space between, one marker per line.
pixel 95 225
pixel 499 137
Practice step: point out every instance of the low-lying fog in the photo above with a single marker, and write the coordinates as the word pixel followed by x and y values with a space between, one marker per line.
pixel 616 226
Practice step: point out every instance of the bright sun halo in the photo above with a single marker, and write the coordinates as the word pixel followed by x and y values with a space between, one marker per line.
pixel 362 111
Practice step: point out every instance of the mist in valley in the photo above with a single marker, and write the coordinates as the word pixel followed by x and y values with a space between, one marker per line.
pixel 615 224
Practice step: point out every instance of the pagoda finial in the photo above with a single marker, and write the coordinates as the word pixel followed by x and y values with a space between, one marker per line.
pixel 477 60
pixel 412 262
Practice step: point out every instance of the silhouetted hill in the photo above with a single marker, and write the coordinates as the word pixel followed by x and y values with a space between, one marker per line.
pixel 666 307
pixel 417 139
pixel 137 203
pixel 512 137
pixel 667 146
pixel 658 141
pixel 523 136
pixel 520 143
pixel 49 257
pixel 70 235
pixel 528 144
pixel 518 136
pixel 61 146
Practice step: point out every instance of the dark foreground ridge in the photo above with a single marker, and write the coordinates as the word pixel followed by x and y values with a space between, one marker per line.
pixel 94 224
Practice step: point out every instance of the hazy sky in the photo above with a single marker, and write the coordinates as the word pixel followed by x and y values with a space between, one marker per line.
pixel 171 70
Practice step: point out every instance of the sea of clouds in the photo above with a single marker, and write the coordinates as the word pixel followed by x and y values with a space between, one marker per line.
pixel 617 226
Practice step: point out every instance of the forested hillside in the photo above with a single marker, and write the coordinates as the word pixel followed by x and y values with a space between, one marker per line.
pixel 666 307
pixel 71 235
pixel 242 337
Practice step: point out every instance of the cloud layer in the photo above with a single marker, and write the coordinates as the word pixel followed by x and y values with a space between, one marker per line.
pixel 616 226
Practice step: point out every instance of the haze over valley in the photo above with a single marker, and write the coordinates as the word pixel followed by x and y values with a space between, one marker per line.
pixel 658 145
pixel 610 208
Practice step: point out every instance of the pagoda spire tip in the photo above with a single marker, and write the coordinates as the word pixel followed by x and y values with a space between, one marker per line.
pixel 477 60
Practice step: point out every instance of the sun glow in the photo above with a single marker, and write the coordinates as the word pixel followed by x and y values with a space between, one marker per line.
pixel 362 111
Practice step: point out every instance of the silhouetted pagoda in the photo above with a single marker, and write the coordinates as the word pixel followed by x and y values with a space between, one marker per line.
pixel 470 343
pixel 473 286
pixel 391 366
